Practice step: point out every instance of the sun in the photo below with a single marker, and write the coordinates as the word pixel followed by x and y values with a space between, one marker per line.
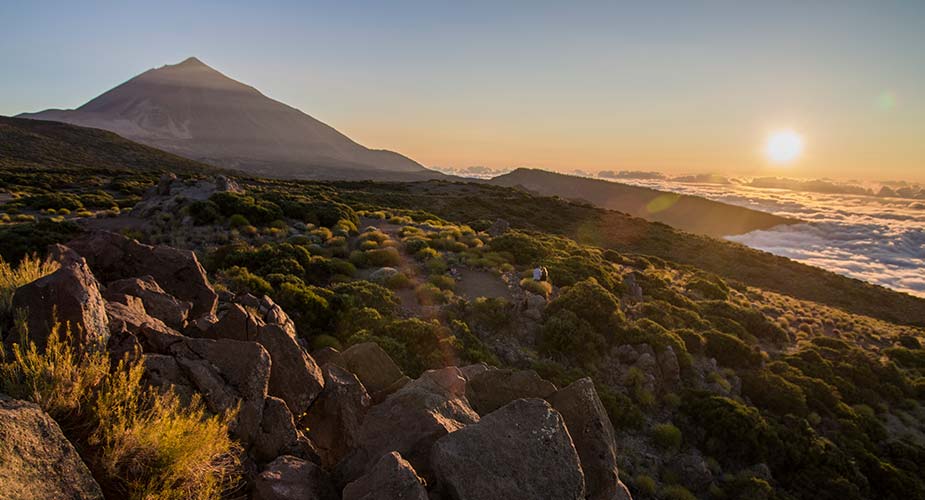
pixel 783 146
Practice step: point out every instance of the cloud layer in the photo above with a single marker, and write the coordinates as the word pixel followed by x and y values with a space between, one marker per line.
pixel 879 240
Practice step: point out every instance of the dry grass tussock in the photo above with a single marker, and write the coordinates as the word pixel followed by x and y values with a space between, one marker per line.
pixel 140 443
pixel 29 269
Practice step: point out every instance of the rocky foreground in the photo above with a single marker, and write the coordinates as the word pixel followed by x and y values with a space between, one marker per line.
pixel 312 426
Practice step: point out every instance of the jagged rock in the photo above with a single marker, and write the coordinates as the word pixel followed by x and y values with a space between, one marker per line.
pixel 335 418
pixel 470 371
pixel 113 257
pixel 273 314
pixel 70 295
pixel 327 355
pixel 227 373
pixel 294 376
pixel 691 470
pixel 236 323
pixel 535 305
pixel 669 367
pixel 593 436
pixel 382 274
pixel 492 389
pixel 373 367
pixel 392 478
pixel 127 313
pixel 277 431
pixel 521 451
pixel 36 460
pixel 410 421
pixel 164 183
pixel 291 478
pixel 626 353
pixel 498 228
pixel 158 303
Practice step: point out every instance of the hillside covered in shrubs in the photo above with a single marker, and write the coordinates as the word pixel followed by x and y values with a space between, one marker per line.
pixel 400 343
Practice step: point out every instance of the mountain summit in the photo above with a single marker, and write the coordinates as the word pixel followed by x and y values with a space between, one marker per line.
pixel 197 112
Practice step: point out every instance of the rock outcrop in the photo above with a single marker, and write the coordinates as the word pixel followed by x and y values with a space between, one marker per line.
pixel 493 388
pixel 392 478
pixel 158 303
pixel 521 451
pixel 294 376
pixel 410 421
pixel 70 296
pixel 114 257
pixel 375 369
pixel 291 478
pixel 593 436
pixel 335 417
pixel 36 460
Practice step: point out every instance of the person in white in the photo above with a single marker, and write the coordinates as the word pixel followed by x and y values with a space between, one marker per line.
pixel 537 273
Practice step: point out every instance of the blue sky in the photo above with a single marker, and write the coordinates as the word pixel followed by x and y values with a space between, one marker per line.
pixel 672 86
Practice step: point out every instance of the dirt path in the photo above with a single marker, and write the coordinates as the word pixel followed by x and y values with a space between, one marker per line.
pixel 474 283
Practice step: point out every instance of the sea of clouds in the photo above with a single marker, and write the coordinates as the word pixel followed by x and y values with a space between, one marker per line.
pixel 870 231
pixel 877 239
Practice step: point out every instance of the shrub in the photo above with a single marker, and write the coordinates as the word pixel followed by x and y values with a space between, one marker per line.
pixel 667 437
pixel 322 341
pixel 204 212
pixel 30 268
pixel 241 280
pixel 383 257
pixel 730 351
pixel 644 485
pixel 524 249
pixel 17 241
pixel 307 305
pixel 238 221
pixel 142 443
pixel 566 335
pixel 773 392
pixel 426 254
pixel 543 288
pixel 676 492
pixel 593 303
pixel 429 294
pixel 709 289
pixel 443 281
pixel 436 265
pixel 727 429
pixel 398 281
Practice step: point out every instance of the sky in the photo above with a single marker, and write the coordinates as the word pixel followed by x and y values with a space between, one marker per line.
pixel 676 87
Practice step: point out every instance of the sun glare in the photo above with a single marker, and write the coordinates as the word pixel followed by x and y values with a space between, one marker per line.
pixel 783 146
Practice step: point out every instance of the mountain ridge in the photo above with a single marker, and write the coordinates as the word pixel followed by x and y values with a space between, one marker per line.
pixel 689 213
pixel 192 110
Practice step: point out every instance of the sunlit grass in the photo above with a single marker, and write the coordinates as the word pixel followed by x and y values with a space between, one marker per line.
pixel 140 443
pixel 30 268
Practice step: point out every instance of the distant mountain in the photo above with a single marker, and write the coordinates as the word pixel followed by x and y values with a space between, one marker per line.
pixel 197 112
pixel 689 213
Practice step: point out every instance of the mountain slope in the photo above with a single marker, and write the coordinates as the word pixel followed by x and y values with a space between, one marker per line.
pixel 689 213
pixel 197 112
pixel 30 145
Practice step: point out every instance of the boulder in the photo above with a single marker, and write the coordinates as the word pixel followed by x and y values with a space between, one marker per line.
pixel 498 228
pixel 228 374
pixel 383 274
pixel 375 369
pixel 273 314
pixel 491 389
pixel 410 421
pixel 235 323
pixel 277 433
pixel 158 303
pixel 294 376
pixel 669 368
pixel 327 355
pixel 691 470
pixel 164 183
pixel 593 436
pixel 534 305
pixel 291 478
pixel 36 460
pixel 70 296
pixel 520 451
pixel 113 257
pixel 392 478
pixel 334 420
pixel 127 313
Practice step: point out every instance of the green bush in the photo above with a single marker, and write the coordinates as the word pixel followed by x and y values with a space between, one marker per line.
pixel 727 429
pixel 593 303
pixel 675 492
pixel 730 351
pixel 308 306
pixel 240 280
pixel 383 257
pixel 566 335
pixel 667 437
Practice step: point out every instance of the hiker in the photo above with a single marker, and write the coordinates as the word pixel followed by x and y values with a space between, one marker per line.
pixel 537 273
pixel 544 275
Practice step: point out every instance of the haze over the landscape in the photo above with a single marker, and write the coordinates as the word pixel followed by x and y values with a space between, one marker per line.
pixel 676 88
